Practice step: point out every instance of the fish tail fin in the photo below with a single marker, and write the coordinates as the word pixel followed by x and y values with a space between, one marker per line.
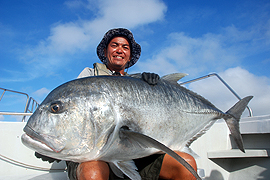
pixel 233 119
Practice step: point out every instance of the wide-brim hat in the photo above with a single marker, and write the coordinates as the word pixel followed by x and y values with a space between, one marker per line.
pixel 119 32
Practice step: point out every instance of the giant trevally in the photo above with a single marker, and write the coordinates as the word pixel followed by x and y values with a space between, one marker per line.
pixel 117 119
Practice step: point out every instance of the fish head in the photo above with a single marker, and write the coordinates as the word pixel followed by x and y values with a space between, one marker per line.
pixel 72 123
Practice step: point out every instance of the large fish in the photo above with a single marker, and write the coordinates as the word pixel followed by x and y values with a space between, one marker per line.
pixel 117 119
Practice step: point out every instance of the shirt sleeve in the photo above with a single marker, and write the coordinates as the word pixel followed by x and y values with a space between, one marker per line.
pixel 86 72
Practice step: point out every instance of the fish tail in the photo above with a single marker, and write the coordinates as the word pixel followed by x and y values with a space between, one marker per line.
pixel 233 119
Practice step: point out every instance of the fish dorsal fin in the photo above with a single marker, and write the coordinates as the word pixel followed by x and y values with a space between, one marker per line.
pixel 173 78
pixel 146 141
pixel 137 75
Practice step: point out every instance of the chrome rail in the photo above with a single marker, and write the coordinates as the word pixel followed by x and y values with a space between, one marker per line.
pixel 232 91
pixel 30 106
pixel 33 104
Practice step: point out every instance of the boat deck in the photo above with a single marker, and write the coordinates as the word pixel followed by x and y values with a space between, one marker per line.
pixel 219 158
pixel 19 162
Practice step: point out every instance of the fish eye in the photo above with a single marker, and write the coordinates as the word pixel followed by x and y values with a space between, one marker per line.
pixel 56 107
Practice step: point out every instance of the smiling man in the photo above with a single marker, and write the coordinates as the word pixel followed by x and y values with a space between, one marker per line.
pixel 117 52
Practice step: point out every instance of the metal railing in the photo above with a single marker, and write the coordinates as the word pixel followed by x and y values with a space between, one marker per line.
pixel 30 106
pixel 216 75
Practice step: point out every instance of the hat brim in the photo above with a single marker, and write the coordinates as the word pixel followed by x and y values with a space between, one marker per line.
pixel 119 32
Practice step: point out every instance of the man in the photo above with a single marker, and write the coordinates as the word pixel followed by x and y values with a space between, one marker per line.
pixel 119 51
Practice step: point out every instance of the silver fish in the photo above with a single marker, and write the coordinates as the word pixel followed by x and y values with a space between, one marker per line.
pixel 117 119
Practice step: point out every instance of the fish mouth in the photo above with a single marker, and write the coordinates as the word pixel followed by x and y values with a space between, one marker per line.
pixel 34 144
pixel 35 140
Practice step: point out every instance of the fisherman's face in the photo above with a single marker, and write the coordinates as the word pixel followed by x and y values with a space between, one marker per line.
pixel 118 54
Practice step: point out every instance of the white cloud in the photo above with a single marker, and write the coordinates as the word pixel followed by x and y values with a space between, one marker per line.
pixel 1 118
pixel 40 94
pixel 217 52
pixel 131 13
pixel 17 118
pixel 69 37
pixel 187 54
pixel 66 39
pixel 75 4
pixel 243 83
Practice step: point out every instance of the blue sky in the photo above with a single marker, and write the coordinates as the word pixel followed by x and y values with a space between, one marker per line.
pixel 47 43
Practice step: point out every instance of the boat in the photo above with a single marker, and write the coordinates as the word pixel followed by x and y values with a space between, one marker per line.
pixel 219 157
pixel 16 160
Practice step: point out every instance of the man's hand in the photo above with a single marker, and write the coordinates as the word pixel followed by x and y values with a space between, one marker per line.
pixel 46 158
pixel 150 78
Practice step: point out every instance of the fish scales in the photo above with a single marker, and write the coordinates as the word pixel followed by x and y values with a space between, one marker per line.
pixel 82 120
pixel 150 108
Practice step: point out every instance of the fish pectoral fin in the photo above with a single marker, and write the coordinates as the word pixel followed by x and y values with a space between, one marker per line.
pixel 136 75
pixel 127 167
pixel 146 141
